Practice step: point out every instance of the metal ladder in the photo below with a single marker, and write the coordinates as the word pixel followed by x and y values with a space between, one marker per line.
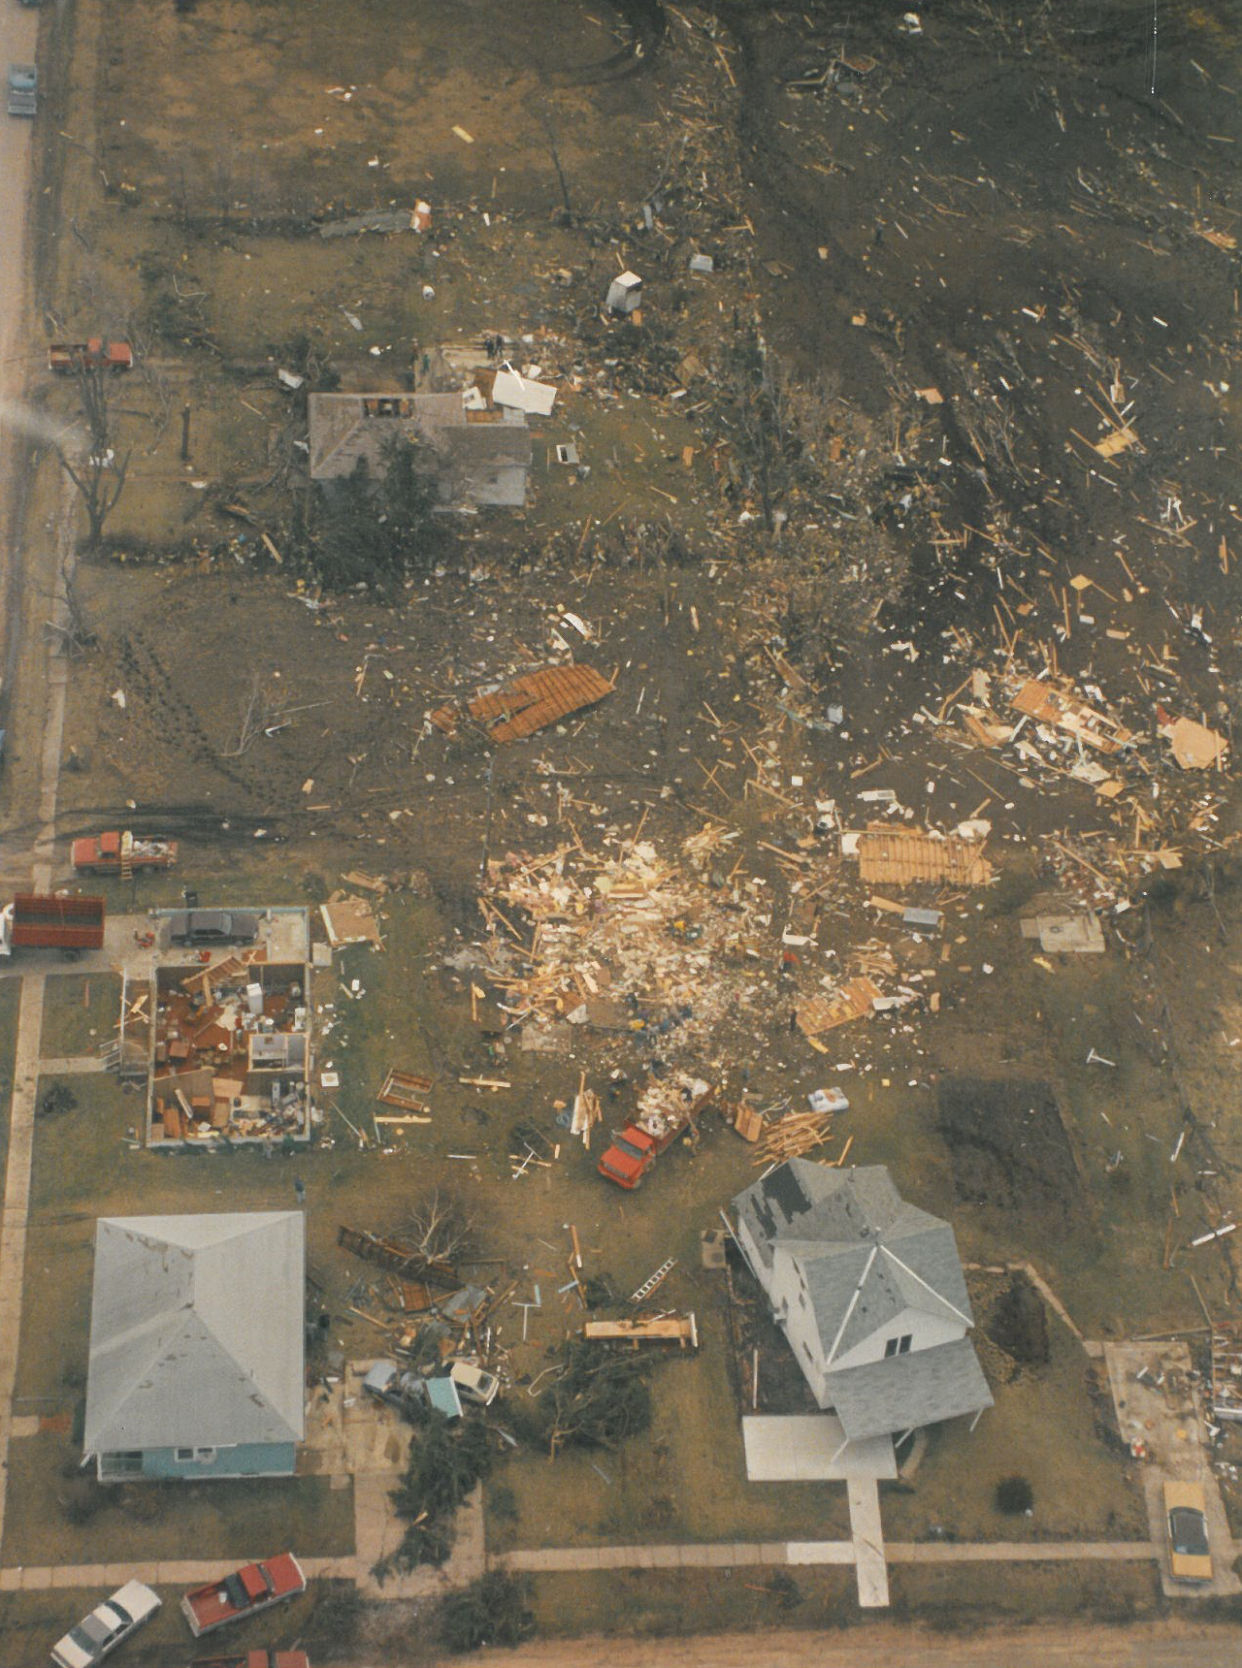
pixel 648 1286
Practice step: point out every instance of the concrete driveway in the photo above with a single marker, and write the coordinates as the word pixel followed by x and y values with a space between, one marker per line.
pixel 1157 1403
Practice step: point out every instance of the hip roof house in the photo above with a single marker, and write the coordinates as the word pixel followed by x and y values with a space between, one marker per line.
pixel 869 1292
pixel 196 1353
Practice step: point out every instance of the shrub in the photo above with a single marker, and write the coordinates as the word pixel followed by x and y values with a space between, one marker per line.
pixel 491 1611
pixel 1014 1495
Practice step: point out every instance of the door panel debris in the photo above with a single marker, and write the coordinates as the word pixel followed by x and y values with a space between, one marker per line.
pixel 900 857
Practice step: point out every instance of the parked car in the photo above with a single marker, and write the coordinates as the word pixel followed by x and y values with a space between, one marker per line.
pixel 212 926
pixel 1190 1556
pixel 23 90
pixel 475 1384
pixel 103 1630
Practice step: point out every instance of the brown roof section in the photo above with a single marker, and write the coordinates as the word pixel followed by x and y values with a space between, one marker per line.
pixel 899 857
pixel 852 1001
pixel 529 703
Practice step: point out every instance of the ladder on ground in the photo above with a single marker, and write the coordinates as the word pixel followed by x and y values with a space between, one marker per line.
pixel 648 1286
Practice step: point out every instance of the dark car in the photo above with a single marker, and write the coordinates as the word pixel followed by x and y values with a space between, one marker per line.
pixel 212 926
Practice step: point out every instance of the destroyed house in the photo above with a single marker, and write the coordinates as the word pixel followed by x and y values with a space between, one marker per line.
pixel 230 1052
pixel 869 1292
pixel 196 1346
pixel 474 459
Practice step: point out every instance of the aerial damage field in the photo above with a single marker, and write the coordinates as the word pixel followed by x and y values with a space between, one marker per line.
pixel 948 425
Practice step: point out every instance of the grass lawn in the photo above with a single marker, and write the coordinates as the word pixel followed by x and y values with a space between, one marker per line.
pixel 963 1597
pixel 131 1522
pixel 674 1603
pixel 685 1480
pixel 1042 1428
pixel 80 1011
pixel 10 997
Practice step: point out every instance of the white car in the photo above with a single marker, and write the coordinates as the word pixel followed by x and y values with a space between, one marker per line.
pixel 103 1630
pixel 475 1384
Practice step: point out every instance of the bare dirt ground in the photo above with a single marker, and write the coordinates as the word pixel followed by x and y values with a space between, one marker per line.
pixel 998 210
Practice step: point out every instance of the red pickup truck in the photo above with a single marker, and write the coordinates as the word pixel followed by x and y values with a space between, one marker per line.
pixel 245 1592
pixel 67 358
pixel 121 854
pixel 255 1659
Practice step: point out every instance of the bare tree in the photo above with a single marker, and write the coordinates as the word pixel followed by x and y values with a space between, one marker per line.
pixel 99 474
pixel 438 1228
pixel 74 631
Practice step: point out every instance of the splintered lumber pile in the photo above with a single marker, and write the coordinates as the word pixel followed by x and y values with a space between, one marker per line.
pixel 587 1112
pixel 796 1134
pixel 604 939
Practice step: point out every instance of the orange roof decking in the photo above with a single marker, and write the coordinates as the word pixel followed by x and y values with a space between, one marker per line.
pixel 529 703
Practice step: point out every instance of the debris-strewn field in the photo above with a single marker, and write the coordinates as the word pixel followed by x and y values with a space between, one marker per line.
pixel 905 538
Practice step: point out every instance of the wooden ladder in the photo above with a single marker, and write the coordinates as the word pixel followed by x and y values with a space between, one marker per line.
pixel 648 1286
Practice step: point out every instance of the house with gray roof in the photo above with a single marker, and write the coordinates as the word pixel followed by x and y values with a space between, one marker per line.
pixel 474 458
pixel 196 1353
pixel 869 1292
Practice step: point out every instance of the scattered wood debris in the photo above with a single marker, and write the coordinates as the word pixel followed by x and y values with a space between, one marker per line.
pixel 404 1090
pixel 1059 706
pixel 796 1134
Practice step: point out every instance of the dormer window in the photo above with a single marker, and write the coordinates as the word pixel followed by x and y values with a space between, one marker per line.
pixel 898 1346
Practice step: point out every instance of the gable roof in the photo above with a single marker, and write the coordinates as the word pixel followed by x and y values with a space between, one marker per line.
pixel 196 1331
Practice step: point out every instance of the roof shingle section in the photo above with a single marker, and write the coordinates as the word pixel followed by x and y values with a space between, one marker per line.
pixel 921 1388
pixel 196 1331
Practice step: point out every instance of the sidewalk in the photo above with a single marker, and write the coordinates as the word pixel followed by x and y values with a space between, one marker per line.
pixel 16 1203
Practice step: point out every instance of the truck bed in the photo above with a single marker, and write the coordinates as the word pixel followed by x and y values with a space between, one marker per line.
pixel 243 1592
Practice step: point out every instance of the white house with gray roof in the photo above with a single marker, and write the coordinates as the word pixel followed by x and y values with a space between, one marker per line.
pixel 196 1353
pixel 868 1290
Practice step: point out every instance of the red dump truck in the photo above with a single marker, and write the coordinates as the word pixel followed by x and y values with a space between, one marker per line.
pixel 68 358
pixel 667 1108
pixel 56 922
pixel 121 854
